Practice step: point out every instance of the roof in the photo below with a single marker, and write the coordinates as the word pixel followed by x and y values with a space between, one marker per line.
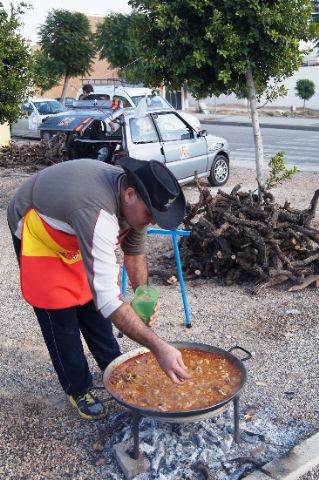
pixel 136 91
pixel 71 120
pixel 130 91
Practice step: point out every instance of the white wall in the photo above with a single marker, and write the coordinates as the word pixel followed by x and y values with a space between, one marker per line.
pixel 5 136
pixel 309 73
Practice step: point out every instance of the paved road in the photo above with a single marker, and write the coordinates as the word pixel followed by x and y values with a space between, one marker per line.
pixel 301 147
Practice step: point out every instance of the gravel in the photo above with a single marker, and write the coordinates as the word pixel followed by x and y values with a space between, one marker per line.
pixel 41 436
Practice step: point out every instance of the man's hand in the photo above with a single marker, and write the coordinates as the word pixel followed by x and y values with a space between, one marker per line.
pixel 171 362
pixel 169 358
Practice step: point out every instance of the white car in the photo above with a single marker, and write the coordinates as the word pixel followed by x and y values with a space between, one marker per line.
pixel 33 113
pixel 131 97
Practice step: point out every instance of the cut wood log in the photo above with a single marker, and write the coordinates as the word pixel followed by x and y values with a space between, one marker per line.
pixel 240 237
pixel 308 281
pixel 32 156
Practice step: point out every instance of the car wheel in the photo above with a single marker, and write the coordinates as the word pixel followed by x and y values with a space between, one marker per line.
pixel 46 136
pixel 219 172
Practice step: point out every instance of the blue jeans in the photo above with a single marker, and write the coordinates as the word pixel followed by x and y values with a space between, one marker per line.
pixel 61 331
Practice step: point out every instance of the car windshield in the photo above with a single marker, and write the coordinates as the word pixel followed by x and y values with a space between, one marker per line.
pixel 172 127
pixel 152 101
pixel 49 107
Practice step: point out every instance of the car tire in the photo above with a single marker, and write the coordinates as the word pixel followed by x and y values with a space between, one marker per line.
pixel 219 171
pixel 46 136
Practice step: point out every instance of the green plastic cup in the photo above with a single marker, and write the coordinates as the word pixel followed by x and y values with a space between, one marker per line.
pixel 144 302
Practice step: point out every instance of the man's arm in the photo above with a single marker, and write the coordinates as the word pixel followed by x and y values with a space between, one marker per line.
pixel 136 266
pixel 168 357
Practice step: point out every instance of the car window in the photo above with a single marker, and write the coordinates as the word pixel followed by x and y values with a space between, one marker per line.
pixel 126 103
pixel 171 127
pixel 27 108
pixel 156 101
pixel 49 108
pixel 43 108
pixel 68 101
pixel 143 130
pixel 103 96
pixel 151 100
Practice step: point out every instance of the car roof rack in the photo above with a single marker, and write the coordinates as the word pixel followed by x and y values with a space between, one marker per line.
pixel 113 81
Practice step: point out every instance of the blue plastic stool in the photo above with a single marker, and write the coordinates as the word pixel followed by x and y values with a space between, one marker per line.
pixel 174 234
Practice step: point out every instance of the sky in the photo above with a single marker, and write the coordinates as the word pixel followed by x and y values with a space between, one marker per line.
pixel 32 19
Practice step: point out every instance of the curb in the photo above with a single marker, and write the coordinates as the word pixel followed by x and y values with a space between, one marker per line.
pixel 297 462
pixel 262 125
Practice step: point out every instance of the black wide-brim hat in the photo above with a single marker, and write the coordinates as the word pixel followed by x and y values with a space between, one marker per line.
pixel 158 188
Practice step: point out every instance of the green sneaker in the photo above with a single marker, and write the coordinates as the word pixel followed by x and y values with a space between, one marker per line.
pixel 88 406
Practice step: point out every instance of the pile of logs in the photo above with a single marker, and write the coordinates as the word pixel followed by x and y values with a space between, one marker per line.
pixel 32 156
pixel 239 237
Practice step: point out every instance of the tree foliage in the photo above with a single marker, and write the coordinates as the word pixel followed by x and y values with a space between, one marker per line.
pixel 15 71
pixel 315 19
pixel 278 172
pixel 212 44
pixel 305 89
pixel 116 40
pixel 66 38
pixel 46 73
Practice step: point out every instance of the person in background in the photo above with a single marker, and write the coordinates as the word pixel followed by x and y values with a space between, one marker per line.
pixel 88 92
pixel 66 223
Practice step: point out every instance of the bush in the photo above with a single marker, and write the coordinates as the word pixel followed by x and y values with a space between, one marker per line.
pixel 305 89
pixel 278 172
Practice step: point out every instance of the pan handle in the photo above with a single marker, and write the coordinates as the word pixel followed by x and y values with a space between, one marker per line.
pixel 249 355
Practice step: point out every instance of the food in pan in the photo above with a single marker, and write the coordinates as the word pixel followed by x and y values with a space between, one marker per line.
pixel 140 382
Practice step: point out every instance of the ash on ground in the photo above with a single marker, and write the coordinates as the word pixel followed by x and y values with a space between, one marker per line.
pixel 206 449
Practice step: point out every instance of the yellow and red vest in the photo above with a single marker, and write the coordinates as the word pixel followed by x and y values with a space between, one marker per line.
pixel 52 273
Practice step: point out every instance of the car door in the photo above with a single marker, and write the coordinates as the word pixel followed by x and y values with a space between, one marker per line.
pixel 142 139
pixel 21 126
pixel 185 153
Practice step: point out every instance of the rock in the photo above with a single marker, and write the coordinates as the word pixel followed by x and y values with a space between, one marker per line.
pixel 293 311
pixel 97 446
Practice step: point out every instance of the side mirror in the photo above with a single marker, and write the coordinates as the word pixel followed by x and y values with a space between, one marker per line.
pixel 202 133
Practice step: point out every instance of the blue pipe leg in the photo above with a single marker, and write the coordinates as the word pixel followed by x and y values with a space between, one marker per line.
pixel 181 280
pixel 173 233
pixel 123 290
pixel 124 281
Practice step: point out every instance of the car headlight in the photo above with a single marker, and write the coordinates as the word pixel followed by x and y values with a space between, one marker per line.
pixel 215 146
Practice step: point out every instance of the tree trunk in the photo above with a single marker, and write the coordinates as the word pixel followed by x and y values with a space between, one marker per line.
pixel 259 149
pixel 185 104
pixel 64 90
